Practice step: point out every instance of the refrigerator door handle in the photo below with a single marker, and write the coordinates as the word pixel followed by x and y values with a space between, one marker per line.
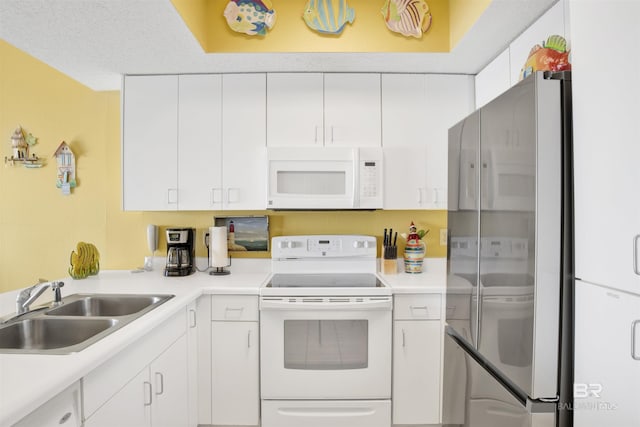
pixel 635 355
pixel 635 254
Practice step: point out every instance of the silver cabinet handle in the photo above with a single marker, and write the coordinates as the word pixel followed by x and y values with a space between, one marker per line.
pixel 159 388
pixel 419 196
pixel 249 339
pixel 192 318
pixel 634 325
pixel 332 134
pixel 635 254
pixel 404 341
pixel 148 402
pixel 315 140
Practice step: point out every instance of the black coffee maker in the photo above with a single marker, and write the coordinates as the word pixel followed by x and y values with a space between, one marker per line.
pixel 180 252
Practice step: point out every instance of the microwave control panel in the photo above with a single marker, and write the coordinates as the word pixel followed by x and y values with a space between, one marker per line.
pixel 370 178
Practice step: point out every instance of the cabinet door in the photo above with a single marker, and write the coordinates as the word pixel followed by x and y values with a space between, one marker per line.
pixel 416 372
pixel 244 141
pixel 169 377
pixel 352 110
pixel 449 100
pixel 63 409
pixel 192 362
pixel 404 99
pixel 149 146
pixel 606 144
pixel 130 407
pixel 607 357
pixel 295 109
pixel 200 142
pixel 235 394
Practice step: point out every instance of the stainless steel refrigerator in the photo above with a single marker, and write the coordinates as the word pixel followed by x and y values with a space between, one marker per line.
pixel 508 342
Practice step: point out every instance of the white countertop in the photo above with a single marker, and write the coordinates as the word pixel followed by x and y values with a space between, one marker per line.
pixel 29 380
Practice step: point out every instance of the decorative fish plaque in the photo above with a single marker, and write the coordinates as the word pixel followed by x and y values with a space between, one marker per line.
pixel 410 18
pixel 252 17
pixel 328 16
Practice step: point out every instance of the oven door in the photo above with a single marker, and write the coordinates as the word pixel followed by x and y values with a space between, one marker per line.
pixel 325 348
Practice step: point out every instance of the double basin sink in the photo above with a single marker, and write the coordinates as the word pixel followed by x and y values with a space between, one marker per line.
pixel 81 320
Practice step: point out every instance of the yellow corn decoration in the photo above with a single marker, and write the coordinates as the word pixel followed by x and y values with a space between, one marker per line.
pixel 85 261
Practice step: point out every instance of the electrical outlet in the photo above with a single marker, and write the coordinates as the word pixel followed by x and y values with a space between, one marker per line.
pixel 443 237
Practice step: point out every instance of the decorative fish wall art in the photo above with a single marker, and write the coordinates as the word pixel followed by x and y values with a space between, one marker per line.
pixel 252 17
pixel 410 18
pixel 328 16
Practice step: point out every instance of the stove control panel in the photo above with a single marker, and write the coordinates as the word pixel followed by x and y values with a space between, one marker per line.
pixel 322 246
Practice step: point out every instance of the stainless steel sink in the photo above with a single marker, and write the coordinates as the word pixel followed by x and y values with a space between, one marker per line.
pixel 52 333
pixel 80 320
pixel 106 305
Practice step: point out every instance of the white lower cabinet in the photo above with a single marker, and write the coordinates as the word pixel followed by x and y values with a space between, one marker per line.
pixel 417 349
pixel 62 410
pixel 146 385
pixel 607 357
pixel 157 396
pixel 235 393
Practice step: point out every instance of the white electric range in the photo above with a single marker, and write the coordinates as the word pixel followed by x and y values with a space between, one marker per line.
pixel 325 333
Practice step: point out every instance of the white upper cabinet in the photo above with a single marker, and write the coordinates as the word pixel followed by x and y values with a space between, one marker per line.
pixel 243 142
pixel 194 142
pixel 494 79
pixel 295 109
pixel 149 148
pixel 404 109
pixel 314 109
pixel 606 143
pixel 417 112
pixel 199 140
pixel 352 110
pixel 504 71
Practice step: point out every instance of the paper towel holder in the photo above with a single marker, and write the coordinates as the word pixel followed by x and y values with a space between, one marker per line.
pixel 217 270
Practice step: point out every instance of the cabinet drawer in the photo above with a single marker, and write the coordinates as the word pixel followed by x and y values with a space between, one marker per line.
pixel 412 307
pixel 234 307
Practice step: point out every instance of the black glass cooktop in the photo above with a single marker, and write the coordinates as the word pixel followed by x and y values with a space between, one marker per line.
pixel 329 280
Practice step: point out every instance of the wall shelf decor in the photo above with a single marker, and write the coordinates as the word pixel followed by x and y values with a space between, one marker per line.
pixel 66 168
pixel 328 16
pixel 411 18
pixel 20 148
pixel 251 17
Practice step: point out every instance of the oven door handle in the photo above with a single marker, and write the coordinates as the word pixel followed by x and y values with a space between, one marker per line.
pixel 273 304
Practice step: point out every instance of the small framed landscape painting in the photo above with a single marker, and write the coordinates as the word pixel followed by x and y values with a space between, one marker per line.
pixel 245 233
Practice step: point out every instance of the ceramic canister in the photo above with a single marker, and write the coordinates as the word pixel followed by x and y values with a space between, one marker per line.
pixel 413 256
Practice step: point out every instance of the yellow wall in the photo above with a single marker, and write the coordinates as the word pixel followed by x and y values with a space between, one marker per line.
pixel 462 15
pixel 39 227
pixel 368 33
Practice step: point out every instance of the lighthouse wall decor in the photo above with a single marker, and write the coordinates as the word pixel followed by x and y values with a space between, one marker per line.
pixel 66 168
pixel 245 233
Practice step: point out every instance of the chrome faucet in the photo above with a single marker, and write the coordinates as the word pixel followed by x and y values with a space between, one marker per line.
pixel 27 296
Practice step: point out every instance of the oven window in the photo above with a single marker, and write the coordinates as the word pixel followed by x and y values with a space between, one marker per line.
pixel 326 344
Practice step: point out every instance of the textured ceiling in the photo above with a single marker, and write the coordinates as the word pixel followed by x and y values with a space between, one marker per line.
pixel 96 41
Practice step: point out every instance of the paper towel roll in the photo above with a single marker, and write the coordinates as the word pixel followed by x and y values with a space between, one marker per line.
pixel 218 251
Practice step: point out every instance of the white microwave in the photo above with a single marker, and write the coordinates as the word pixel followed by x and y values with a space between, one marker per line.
pixel 324 178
